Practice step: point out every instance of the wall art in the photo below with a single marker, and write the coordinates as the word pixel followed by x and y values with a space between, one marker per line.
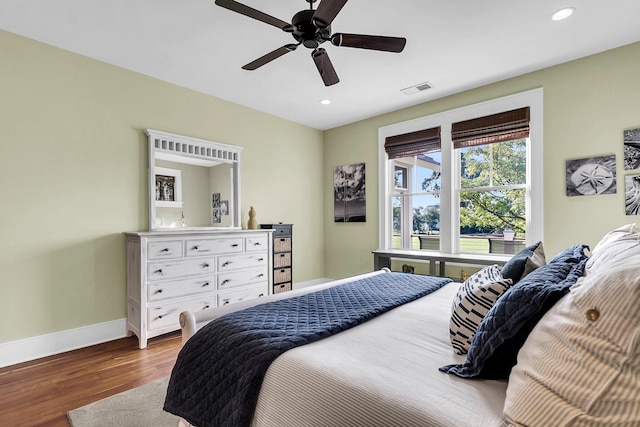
pixel 349 193
pixel 592 175
pixel 632 194
pixel 168 187
pixel 216 218
pixel 631 149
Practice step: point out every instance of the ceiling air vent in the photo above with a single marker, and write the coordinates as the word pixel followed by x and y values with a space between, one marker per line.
pixel 417 88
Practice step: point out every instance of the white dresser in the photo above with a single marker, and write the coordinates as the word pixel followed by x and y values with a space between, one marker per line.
pixel 169 272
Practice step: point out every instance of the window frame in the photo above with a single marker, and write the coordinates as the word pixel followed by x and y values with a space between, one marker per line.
pixel 450 194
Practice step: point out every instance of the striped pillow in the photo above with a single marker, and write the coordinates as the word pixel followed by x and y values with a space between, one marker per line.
pixel 474 299
pixel 581 361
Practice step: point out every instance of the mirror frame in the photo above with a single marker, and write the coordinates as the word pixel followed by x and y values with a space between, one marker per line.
pixel 192 151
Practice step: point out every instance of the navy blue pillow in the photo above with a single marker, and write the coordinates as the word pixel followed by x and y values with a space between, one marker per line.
pixel 514 268
pixel 507 325
pixel 574 254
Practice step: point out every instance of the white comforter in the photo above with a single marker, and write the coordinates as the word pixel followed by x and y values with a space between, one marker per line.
pixel 381 373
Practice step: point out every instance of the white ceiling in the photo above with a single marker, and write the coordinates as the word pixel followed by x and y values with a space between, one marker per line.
pixel 453 44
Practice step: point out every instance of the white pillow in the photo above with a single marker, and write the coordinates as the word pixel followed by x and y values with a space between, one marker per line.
pixel 581 363
pixel 615 248
pixel 474 299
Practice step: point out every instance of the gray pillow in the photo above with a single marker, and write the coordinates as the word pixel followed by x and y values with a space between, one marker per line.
pixel 524 262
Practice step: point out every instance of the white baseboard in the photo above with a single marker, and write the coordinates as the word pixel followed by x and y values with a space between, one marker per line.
pixel 32 348
pixel 24 350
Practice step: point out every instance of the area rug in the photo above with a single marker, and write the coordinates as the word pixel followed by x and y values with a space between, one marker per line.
pixel 138 407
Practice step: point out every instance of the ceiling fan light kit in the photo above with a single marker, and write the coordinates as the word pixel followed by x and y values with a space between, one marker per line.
pixel 311 28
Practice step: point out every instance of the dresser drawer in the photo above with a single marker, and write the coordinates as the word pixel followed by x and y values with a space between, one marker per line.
pixel 213 246
pixel 281 230
pixel 186 267
pixel 282 260
pixel 282 244
pixel 246 294
pixel 165 249
pixel 177 288
pixel 282 275
pixel 256 244
pixel 240 278
pixel 282 287
pixel 168 315
pixel 235 262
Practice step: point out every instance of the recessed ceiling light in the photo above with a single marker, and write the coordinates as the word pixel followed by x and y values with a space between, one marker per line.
pixel 563 13
pixel 325 101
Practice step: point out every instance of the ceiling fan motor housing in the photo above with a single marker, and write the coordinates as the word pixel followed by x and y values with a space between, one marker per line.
pixel 306 32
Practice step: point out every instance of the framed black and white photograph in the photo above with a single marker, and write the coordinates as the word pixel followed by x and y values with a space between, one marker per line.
pixel 216 218
pixel 349 193
pixel 591 175
pixel 632 194
pixel 215 200
pixel 168 189
pixel 631 149
pixel 224 207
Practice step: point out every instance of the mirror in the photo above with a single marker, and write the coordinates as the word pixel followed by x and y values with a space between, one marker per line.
pixel 193 183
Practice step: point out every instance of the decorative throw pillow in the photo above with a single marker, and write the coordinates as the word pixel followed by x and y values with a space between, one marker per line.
pixel 505 328
pixel 615 248
pixel 581 363
pixel 475 298
pixel 515 268
pixel 573 254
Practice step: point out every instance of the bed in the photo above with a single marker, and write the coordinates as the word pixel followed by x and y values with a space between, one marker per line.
pixel 399 368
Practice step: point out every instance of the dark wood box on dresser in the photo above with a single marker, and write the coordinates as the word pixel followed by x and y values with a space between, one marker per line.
pixel 282 259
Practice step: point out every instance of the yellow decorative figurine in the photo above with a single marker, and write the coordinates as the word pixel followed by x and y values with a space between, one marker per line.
pixel 252 224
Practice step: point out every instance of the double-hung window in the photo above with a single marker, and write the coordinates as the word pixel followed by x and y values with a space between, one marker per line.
pixel 466 180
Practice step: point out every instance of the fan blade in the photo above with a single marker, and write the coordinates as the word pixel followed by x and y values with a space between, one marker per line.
pixel 327 11
pixel 270 57
pixel 387 44
pixel 253 13
pixel 325 67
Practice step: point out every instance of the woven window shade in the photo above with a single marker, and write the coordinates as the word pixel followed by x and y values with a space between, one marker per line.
pixel 499 127
pixel 413 143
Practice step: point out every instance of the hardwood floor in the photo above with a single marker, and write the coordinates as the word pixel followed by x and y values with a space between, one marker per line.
pixel 41 392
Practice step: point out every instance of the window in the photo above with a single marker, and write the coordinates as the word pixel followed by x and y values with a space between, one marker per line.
pixel 475 188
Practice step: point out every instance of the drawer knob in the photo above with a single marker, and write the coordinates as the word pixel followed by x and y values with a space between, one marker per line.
pixel 260 275
pixel 159 291
pixel 205 265
pixel 260 259
pixel 205 284
pixel 225 301
pixel 224 282
pixel 195 248
pixel 260 296
pixel 165 250
pixel 205 307
pixel 227 263
pixel 159 271
pixel 235 245
pixel 160 316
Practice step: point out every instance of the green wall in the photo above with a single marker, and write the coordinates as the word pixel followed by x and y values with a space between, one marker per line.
pixel 587 105
pixel 73 171
pixel 73 178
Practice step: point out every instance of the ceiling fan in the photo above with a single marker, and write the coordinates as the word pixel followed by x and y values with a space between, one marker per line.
pixel 311 28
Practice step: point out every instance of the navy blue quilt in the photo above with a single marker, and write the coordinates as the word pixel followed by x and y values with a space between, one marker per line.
pixel 219 371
